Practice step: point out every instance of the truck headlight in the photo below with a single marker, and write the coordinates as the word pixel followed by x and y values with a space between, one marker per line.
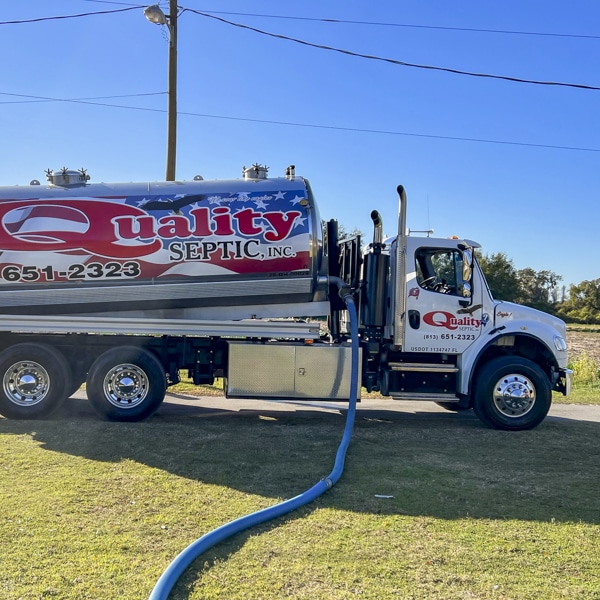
pixel 560 343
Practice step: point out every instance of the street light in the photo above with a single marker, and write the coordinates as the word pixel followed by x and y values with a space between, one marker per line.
pixel 154 14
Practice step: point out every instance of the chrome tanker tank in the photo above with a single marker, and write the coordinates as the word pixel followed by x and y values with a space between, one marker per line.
pixel 226 249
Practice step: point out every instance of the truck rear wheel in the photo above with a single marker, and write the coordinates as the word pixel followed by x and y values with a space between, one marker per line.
pixel 126 384
pixel 512 393
pixel 34 379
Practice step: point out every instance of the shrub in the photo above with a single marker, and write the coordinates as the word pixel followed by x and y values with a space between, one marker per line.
pixel 585 370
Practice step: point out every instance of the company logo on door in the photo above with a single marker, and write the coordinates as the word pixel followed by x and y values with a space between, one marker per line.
pixel 441 318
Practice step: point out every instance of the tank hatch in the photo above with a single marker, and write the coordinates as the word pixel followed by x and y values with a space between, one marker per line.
pixel 67 177
pixel 256 171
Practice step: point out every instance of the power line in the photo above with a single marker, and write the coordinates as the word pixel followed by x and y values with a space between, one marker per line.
pixel 381 23
pixel 48 99
pixel 316 126
pixel 112 2
pixel 405 25
pixel 60 17
pixel 394 61
pixel 387 132
pixel 332 49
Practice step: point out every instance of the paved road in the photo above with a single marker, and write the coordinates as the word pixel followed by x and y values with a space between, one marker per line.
pixel 205 406
pixel 382 408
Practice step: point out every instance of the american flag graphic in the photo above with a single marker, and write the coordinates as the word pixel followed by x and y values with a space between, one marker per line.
pixel 36 222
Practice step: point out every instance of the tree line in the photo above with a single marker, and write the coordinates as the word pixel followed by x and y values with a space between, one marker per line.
pixel 541 290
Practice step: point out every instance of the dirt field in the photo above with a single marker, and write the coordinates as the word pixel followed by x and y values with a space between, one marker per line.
pixel 584 341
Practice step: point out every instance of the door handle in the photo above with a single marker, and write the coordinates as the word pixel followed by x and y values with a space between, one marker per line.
pixel 414 319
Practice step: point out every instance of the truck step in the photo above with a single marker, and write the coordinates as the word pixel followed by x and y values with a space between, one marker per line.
pixel 425 396
pixel 423 367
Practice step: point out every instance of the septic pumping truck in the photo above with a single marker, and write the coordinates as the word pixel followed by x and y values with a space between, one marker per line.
pixel 124 286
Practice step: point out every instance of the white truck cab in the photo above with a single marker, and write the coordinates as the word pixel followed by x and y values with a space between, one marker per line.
pixel 453 343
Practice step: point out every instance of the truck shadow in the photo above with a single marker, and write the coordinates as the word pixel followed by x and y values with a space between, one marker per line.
pixel 440 464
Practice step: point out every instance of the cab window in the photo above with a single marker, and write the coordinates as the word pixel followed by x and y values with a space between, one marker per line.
pixel 440 270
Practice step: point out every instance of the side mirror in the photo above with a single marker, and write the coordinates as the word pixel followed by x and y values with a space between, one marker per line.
pixel 467 272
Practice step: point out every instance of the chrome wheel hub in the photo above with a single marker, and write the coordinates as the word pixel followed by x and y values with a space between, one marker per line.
pixel 126 385
pixel 26 383
pixel 514 395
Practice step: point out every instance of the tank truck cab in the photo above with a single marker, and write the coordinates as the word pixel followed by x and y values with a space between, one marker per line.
pixel 440 336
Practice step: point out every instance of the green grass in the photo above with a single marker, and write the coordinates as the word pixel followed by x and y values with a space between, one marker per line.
pixel 581 394
pixel 586 381
pixel 187 387
pixel 92 509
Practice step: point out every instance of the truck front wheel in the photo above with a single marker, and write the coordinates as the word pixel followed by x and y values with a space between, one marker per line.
pixel 126 384
pixel 512 393
pixel 34 379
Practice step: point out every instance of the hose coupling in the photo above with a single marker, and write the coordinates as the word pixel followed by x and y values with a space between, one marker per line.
pixel 344 290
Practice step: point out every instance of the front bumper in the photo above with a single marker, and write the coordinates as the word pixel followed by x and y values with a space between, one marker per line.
pixel 564 381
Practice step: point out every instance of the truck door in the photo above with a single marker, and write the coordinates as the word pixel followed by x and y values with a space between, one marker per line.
pixel 443 307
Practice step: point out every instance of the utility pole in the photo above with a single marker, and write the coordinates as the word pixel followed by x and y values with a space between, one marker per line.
pixel 172 93
pixel 154 14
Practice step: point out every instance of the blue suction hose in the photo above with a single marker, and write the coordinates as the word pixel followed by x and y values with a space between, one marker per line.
pixel 170 576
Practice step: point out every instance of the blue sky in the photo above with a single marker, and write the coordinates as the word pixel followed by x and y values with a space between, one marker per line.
pixel 537 204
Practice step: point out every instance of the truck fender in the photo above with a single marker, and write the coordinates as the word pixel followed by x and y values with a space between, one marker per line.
pixel 475 358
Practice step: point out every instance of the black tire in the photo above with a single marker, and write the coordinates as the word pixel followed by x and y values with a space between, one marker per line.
pixel 126 384
pixel 34 379
pixel 512 393
pixel 453 406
